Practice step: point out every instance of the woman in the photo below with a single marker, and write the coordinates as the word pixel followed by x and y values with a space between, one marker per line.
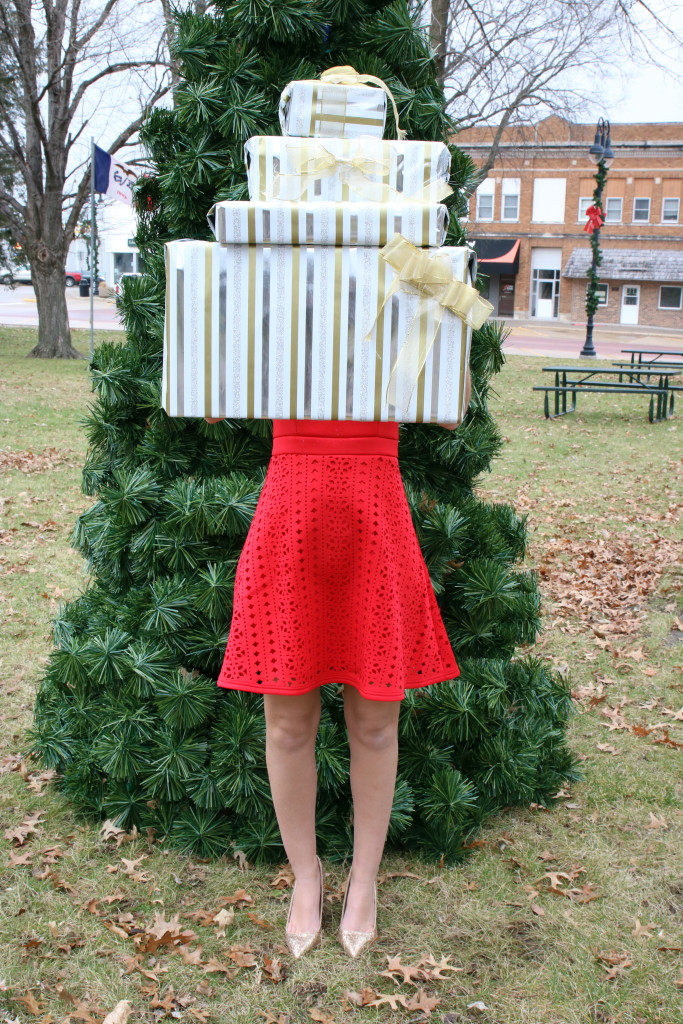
pixel 331 587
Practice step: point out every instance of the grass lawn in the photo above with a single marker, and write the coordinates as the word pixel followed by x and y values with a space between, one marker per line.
pixel 564 914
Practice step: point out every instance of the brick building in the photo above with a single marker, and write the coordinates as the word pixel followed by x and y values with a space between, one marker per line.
pixel 527 220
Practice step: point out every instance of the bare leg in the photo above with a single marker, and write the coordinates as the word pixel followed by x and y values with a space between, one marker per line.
pixel 291 729
pixel 373 740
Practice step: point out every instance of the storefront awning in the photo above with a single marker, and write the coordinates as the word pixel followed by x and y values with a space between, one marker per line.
pixel 500 255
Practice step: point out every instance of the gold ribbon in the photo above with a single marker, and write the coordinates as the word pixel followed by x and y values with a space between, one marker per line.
pixel 346 75
pixel 428 274
pixel 312 161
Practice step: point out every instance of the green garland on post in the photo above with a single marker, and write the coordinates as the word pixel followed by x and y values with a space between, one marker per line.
pixel 592 293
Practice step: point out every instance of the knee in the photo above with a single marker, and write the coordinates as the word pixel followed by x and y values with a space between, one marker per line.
pixel 370 732
pixel 290 733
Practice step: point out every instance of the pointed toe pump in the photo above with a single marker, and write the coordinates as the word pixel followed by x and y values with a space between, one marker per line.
pixel 355 941
pixel 300 942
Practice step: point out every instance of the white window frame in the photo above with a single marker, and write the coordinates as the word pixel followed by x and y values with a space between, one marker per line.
pixel 588 200
pixel 671 199
pixel 614 199
pixel 680 289
pixel 605 285
pixel 488 189
pixel 641 199
pixel 510 188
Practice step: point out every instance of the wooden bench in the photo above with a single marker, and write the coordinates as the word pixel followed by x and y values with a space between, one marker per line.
pixel 570 380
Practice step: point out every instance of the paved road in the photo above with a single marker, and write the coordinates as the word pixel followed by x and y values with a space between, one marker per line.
pixel 529 338
pixel 18 308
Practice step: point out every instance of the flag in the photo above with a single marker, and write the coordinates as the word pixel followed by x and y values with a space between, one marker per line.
pixel 113 177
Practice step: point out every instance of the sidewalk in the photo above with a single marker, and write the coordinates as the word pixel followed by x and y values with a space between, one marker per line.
pixel 553 340
pixel 18 309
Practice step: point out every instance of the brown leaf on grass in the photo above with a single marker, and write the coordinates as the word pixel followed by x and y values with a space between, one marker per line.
pixel 355 998
pixel 260 921
pixel 19 860
pixel 423 1002
pixel 29 1001
pixel 240 899
pixel 284 879
pixel 656 822
pixel 433 968
pixel 274 969
pixel 643 930
pixel 201 1015
pixel 667 741
pixel 214 966
pixel 270 1019
pixel 168 1003
pixel 163 933
pixel 320 1015
pixel 406 971
pixel 396 874
pixel 392 999
pixel 134 963
pixel 27 828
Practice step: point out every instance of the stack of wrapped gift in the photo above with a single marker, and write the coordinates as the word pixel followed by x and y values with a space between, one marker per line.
pixel 329 293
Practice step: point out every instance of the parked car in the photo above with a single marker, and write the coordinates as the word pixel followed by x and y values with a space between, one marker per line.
pixel 15 275
pixel 72 278
pixel 117 286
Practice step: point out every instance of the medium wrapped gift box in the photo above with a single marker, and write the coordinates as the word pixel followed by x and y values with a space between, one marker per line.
pixel 323 110
pixel 271 222
pixel 307 332
pixel 339 170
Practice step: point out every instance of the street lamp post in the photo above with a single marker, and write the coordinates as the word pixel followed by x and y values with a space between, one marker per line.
pixel 601 154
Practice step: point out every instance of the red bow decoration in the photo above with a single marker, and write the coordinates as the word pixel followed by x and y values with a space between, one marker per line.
pixel 150 203
pixel 595 219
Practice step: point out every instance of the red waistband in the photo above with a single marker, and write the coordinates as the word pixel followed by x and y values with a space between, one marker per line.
pixel 292 444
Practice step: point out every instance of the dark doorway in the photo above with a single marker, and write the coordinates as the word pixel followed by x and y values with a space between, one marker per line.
pixel 506 295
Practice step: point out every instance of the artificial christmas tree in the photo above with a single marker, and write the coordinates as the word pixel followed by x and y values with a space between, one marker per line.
pixel 128 711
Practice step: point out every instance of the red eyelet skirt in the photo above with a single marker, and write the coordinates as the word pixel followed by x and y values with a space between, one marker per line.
pixel 331 585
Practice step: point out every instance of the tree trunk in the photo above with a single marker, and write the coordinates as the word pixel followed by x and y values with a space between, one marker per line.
pixel 438 32
pixel 54 334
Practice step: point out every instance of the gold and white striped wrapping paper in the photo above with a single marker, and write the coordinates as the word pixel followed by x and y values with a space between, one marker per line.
pixel 410 167
pixel 279 332
pixel 311 109
pixel 269 222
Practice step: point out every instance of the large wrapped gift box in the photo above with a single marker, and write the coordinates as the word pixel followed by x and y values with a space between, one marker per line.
pixel 339 170
pixel 308 332
pixel 271 222
pixel 323 110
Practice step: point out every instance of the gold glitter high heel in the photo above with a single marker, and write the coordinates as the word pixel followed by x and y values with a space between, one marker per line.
pixel 300 942
pixel 355 941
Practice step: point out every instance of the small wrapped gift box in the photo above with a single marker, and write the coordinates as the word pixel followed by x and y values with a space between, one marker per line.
pixel 311 109
pixel 270 222
pixel 317 332
pixel 341 170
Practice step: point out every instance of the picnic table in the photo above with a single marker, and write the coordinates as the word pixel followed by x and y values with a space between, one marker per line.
pixel 570 380
pixel 652 366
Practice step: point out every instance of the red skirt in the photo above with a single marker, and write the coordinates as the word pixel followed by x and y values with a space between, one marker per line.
pixel 331 585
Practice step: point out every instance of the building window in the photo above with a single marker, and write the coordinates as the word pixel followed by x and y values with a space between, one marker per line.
pixel 485 197
pixel 602 291
pixel 670 296
pixel 613 207
pixel 511 207
pixel 641 209
pixel 584 203
pixel 670 211
pixel 510 199
pixel 484 207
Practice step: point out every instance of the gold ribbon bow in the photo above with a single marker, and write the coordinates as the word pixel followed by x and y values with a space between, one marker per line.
pixel 312 160
pixel 346 75
pixel 430 275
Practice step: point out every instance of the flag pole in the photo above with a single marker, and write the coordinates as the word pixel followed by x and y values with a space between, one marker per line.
pixel 93 283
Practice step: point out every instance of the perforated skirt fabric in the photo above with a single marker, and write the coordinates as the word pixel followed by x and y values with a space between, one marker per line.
pixel 331 585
